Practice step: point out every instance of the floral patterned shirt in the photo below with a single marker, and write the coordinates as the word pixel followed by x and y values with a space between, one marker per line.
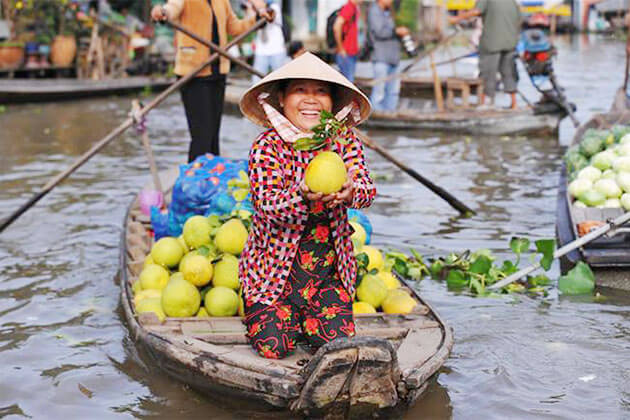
pixel 276 170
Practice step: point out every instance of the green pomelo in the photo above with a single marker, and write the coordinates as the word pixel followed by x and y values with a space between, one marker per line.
pixel 326 173
pixel 389 279
pixel 359 235
pixel 202 313
pixel 146 294
pixel 372 290
pixel 197 270
pixel 151 305
pixel 148 260
pixel 136 287
pixel 399 304
pixel 197 232
pixel 231 237
pixel 153 276
pixel 375 257
pixel 363 308
pixel 167 252
pixel 182 243
pixel 221 301
pixel 180 298
pixel 226 272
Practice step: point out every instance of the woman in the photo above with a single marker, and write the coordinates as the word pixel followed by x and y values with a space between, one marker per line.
pixel 203 95
pixel 298 267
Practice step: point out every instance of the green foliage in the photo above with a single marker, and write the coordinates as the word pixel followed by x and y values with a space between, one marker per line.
pixel 579 280
pixel 328 129
pixel 475 271
pixel 408 15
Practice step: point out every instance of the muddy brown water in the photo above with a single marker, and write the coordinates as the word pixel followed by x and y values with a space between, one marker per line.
pixel 64 347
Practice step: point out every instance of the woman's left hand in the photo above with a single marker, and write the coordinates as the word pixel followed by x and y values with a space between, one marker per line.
pixel 343 196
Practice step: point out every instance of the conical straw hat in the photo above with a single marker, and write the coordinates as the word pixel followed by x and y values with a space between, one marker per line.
pixel 306 66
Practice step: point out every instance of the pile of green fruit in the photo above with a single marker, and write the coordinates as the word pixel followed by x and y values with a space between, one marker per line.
pixel 195 274
pixel 599 168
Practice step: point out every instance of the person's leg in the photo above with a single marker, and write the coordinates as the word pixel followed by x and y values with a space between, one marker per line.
pixel 352 67
pixel 261 63
pixel 509 75
pixel 196 98
pixel 276 61
pixel 217 95
pixel 377 97
pixel 272 330
pixel 488 67
pixel 392 89
pixel 343 64
pixel 329 316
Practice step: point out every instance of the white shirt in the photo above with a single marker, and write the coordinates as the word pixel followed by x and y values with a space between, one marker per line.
pixel 269 40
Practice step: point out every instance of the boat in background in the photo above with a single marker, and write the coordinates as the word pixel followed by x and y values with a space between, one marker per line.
pixel 608 256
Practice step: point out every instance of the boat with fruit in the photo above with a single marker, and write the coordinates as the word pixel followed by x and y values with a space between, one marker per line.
pixel 386 367
pixel 608 256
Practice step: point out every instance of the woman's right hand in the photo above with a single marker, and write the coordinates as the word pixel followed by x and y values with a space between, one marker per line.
pixel 158 13
pixel 308 194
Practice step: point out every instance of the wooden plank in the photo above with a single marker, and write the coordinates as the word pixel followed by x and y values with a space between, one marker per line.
pixel 418 347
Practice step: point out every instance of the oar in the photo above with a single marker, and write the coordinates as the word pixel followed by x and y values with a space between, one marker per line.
pixel 625 81
pixel 454 202
pixel 119 130
pixel 461 207
pixel 214 47
pixel 610 225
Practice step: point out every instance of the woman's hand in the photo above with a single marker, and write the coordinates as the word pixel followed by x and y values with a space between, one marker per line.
pixel 158 13
pixel 343 196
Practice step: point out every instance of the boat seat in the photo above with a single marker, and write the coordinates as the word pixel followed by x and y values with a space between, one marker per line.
pixel 464 87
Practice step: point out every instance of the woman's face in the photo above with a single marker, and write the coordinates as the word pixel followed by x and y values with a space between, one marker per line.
pixel 303 100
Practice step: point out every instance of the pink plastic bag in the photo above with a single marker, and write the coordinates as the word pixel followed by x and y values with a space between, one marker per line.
pixel 150 198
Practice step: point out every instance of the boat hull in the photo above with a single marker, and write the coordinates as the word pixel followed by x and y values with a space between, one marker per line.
pixel 47 90
pixel 384 369
pixel 609 257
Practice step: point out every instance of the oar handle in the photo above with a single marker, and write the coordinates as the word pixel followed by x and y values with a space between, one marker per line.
pixel 214 48
pixel 120 129
pixel 591 236
pixel 454 202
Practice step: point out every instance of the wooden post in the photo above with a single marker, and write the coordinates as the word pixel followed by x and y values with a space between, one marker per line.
pixel 437 87
pixel 553 24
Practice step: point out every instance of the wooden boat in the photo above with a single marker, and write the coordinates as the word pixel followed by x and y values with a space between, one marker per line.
pixel 44 90
pixel 543 119
pixel 609 257
pixel 384 369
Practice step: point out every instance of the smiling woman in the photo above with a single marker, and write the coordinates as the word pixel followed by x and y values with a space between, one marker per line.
pixel 303 100
pixel 298 267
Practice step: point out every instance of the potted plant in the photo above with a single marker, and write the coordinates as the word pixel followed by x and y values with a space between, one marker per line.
pixel 64 46
pixel 11 54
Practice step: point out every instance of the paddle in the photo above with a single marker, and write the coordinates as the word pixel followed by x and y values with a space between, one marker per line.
pixel 610 225
pixel 119 130
pixel 458 205
pixel 454 202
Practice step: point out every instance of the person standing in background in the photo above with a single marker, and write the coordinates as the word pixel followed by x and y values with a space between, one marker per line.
pixel 203 95
pixel 501 29
pixel 270 52
pixel 346 30
pixel 385 36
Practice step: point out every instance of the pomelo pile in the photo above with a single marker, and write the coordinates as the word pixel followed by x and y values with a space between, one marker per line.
pixel 599 169
pixel 195 274
pixel 377 286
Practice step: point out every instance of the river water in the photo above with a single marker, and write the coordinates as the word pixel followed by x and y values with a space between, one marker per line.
pixel 64 347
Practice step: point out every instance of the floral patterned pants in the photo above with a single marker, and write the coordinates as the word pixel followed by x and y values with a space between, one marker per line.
pixel 314 305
